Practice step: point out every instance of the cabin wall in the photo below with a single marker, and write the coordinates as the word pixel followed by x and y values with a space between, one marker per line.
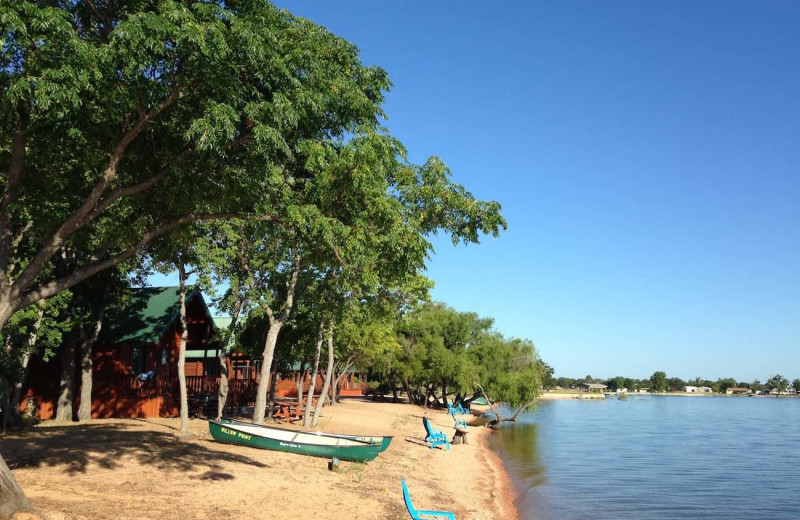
pixel 116 389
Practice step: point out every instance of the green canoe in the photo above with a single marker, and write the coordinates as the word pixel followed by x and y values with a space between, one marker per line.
pixel 384 441
pixel 294 441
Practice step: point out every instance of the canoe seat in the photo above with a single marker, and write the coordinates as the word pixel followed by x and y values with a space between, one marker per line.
pixel 434 436
pixel 419 514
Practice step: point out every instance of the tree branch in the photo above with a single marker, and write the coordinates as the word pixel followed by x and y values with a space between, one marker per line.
pixel 117 194
pixel 522 409
pixel 80 216
pixel 291 285
pixel 15 172
pixel 100 16
pixel 84 272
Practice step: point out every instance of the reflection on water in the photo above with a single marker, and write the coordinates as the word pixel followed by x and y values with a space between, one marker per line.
pixel 519 449
pixel 655 457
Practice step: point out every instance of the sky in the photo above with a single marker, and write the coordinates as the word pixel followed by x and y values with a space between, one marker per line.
pixel 646 156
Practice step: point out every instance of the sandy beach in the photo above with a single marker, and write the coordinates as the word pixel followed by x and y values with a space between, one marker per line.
pixel 136 469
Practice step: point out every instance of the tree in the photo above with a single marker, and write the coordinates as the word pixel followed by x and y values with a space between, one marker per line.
pixel 508 371
pixel 678 384
pixel 725 383
pixel 548 379
pixel 658 382
pixel 442 350
pixel 796 385
pixel 107 101
pixel 435 340
pixel 144 118
pixel 777 383
pixel 216 88
pixel 617 383
pixel 566 382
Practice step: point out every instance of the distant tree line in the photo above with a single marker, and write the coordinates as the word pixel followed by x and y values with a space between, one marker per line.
pixel 660 382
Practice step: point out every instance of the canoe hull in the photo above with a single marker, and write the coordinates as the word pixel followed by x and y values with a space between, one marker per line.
pixel 383 441
pixel 230 434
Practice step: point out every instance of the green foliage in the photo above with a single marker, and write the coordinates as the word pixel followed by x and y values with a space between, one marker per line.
pixel 724 383
pixel 59 315
pixel 677 384
pixel 548 379
pixel 617 383
pixel 209 103
pixel 777 382
pixel 459 352
pixel 658 382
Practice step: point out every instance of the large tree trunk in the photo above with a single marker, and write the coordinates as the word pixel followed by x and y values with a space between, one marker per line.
pixel 6 308
pixel 301 380
pixel 5 402
pixel 223 358
pixel 334 384
pixel 273 381
pixel 17 396
pixel 85 408
pixel 182 352
pixel 498 416
pixel 12 498
pixel 300 383
pixel 341 377
pixel 313 385
pixel 260 409
pixel 222 396
pixel 64 410
pixel 275 324
pixel 521 409
pixel 409 393
pixel 328 376
pixel 33 335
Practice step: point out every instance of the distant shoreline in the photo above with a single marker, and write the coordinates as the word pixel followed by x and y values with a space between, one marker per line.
pixel 548 396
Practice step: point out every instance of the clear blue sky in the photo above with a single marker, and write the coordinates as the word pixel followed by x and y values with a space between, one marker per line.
pixel 647 157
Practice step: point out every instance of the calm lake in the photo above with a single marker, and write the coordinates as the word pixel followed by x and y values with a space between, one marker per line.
pixel 659 457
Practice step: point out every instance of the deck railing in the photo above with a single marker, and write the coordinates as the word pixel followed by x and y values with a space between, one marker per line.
pixel 201 385
pixel 133 386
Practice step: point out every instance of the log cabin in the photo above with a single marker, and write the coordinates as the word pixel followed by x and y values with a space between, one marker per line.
pixel 134 361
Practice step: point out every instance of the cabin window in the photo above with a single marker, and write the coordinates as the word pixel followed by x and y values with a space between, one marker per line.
pixel 138 359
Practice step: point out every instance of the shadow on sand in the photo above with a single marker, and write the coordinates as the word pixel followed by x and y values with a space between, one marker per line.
pixel 75 447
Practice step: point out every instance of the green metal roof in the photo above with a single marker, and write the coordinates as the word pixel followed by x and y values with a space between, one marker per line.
pixel 199 354
pixel 222 322
pixel 144 314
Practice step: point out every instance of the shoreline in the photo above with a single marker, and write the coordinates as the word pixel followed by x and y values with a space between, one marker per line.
pixel 503 489
pixel 137 469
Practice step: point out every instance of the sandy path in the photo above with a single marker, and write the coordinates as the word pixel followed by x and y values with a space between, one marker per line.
pixel 135 469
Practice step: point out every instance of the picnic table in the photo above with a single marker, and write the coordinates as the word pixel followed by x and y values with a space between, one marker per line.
pixel 288 410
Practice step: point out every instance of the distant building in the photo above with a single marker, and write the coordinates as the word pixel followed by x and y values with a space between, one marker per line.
pixel 736 390
pixel 697 389
pixel 592 387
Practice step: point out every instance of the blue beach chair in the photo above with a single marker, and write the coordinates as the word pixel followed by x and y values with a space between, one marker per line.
pixel 458 409
pixel 434 436
pixel 418 514
pixel 459 423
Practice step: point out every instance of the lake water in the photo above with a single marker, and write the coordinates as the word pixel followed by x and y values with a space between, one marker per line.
pixel 656 457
